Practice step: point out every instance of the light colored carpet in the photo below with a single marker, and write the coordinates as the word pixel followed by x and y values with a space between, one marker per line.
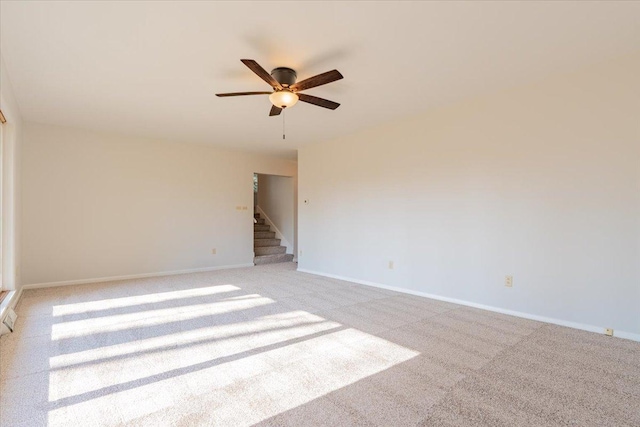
pixel 274 347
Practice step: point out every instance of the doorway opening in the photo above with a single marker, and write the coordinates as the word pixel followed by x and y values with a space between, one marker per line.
pixel 274 219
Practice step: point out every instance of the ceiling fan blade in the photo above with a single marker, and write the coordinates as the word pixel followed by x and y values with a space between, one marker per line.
pixel 319 80
pixel 275 111
pixel 321 102
pixel 242 93
pixel 262 73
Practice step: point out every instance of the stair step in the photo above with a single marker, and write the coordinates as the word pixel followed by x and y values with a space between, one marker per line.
pixel 272 259
pixel 256 215
pixel 261 227
pixel 264 234
pixel 257 243
pixel 260 221
pixel 269 250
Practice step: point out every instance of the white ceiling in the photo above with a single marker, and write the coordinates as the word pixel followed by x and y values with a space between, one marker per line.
pixel 152 68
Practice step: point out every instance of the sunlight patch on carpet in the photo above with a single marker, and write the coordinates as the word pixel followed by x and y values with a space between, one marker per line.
pixel 258 385
pixel 146 318
pixel 152 298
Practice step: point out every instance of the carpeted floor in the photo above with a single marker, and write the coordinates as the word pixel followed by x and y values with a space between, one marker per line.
pixel 274 347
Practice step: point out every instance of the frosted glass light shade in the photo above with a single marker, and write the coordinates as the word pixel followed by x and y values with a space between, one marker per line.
pixel 283 98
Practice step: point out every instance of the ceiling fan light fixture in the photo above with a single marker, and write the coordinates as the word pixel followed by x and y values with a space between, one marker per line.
pixel 283 98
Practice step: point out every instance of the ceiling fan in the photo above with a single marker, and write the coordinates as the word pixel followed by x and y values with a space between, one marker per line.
pixel 286 92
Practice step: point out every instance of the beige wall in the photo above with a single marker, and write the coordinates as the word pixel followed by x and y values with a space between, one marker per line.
pixel 10 192
pixel 99 205
pixel 540 182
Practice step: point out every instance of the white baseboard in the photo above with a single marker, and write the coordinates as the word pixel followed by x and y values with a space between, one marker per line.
pixel 10 302
pixel 560 322
pixel 131 276
pixel 627 336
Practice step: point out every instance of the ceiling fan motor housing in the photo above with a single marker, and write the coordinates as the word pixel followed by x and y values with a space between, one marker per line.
pixel 285 76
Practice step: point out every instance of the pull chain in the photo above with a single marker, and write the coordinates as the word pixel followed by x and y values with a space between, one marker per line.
pixel 283 113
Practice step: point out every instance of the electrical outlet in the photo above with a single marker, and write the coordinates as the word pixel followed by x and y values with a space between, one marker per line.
pixel 390 265
pixel 213 251
pixel 244 208
pixel 238 208
pixel 608 332
pixel 508 281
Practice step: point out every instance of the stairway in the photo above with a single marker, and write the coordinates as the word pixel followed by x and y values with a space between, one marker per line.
pixel 266 247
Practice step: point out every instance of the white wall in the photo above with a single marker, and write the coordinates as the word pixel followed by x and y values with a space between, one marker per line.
pixel 276 199
pixel 539 182
pixel 11 151
pixel 99 205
